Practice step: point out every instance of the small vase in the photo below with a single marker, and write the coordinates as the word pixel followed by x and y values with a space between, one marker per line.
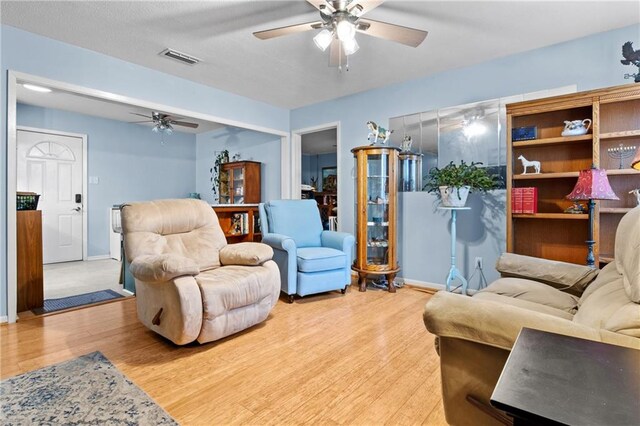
pixel 452 196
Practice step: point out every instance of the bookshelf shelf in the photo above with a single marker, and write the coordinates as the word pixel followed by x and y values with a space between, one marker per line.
pixel 620 135
pixel 552 141
pixel 559 175
pixel 562 216
pixel 614 210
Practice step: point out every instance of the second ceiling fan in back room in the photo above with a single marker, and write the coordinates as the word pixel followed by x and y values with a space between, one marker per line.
pixel 340 21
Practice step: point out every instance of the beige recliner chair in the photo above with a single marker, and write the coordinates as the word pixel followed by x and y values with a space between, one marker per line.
pixel 189 283
pixel 475 334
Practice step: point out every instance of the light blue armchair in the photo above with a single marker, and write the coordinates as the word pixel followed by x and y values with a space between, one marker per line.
pixel 310 259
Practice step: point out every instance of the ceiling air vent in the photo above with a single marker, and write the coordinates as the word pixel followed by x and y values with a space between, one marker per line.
pixel 179 56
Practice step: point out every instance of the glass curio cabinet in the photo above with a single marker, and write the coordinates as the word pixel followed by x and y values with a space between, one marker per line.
pixel 376 213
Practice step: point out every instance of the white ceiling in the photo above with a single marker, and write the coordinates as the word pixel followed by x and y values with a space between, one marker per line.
pixel 322 142
pixel 101 108
pixel 290 71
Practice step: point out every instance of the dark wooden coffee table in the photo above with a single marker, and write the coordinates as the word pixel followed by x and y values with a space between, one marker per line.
pixel 552 379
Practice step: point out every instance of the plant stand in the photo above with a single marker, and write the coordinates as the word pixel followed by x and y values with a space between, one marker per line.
pixel 454 272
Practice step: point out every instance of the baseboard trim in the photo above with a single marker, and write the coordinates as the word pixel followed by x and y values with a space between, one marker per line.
pixel 429 285
pixel 4 319
pixel 124 290
pixel 100 257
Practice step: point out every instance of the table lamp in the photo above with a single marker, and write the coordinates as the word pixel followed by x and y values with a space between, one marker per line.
pixel 635 163
pixel 592 185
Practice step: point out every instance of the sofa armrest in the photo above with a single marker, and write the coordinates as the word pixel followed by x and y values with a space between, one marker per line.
pixel 496 324
pixel 279 242
pixel 249 254
pixel 561 275
pixel 338 240
pixel 162 267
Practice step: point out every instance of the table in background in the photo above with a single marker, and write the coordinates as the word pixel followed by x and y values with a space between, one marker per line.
pixel 552 379
pixel 454 272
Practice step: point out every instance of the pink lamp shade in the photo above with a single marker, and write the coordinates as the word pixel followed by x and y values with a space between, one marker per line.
pixel 635 163
pixel 592 185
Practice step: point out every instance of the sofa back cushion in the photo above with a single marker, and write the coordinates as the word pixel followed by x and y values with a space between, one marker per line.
pixel 627 253
pixel 297 219
pixel 185 227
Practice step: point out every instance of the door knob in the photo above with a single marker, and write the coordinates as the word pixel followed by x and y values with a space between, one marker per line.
pixel 77 209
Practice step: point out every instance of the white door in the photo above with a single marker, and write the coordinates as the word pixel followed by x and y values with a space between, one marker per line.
pixel 51 165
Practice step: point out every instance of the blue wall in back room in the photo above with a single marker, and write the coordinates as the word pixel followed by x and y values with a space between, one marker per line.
pixel 590 62
pixel 128 159
pixel 254 146
pixel 312 166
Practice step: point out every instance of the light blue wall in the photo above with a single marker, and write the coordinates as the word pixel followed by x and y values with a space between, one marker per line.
pixel 590 62
pixel 33 54
pixel 312 166
pixel 255 146
pixel 128 159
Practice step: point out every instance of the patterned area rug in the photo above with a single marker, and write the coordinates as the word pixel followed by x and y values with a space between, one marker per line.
pixel 52 305
pixel 85 390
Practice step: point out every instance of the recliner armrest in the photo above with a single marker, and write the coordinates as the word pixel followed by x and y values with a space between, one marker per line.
pixel 561 275
pixel 162 267
pixel 496 324
pixel 279 242
pixel 338 240
pixel 249 254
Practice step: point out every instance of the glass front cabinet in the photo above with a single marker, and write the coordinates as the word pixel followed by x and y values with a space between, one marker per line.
pixel 376 213
pixel 240 182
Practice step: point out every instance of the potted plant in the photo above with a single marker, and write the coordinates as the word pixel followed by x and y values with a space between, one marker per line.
pixel 454 182
pixel 221 158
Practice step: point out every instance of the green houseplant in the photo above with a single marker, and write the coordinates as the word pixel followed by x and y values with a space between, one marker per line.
pixel 454 182
pixel 221 158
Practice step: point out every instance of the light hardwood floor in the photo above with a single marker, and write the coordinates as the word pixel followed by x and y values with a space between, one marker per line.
pixel 362 358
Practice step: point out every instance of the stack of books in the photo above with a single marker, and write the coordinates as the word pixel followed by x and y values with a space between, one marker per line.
pixel 239 224
pixel 524 200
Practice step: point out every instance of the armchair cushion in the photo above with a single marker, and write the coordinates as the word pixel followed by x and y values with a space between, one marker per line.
pixel 564 276
pixel 627 253
pixel 298 219
pixel 249 254
pixel 315 259
pixel 532 291
pixel 162 267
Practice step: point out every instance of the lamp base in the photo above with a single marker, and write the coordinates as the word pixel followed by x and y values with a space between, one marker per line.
pixel 591 259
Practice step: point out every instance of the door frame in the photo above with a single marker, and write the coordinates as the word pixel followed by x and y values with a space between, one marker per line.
pixel 85 203
pixel 296 162
pixel 16 77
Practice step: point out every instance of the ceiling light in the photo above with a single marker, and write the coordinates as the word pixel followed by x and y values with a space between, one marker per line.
pixel 323 39
pixel 350 46
pixel 36 88
pixel 474 128
pixel 345 30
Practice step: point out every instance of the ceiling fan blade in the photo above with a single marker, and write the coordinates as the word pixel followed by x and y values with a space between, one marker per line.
pixel 405 35
pixel 291 29
pixel 141 115
pixel 140 122
pixel 318 3
pixel 366 6
pixel 337 56
pixel 185 124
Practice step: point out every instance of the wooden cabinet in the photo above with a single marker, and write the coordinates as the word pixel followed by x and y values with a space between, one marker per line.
pixel 30 282
pixel 327 204
pixel 551 233
pixel 240 223
pixel 240 182
pixel 376 213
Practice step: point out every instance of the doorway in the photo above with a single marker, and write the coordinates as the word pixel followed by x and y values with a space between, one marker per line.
pixel 319 173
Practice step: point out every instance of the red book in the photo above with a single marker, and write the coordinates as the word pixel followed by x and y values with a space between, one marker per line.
pixel 530 200
pixel 516 200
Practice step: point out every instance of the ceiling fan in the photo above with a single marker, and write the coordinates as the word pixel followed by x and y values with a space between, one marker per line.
pixel 340 20
pixel 164 122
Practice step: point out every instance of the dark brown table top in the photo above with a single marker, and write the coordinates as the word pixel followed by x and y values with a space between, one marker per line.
pixel 554 379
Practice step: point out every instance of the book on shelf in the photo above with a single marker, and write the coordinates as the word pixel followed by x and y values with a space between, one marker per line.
pixel 524 200
pixel 529 200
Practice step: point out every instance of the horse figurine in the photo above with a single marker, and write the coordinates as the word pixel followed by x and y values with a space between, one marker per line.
pixel 405 146
pixel 636 192
pixel 378 132
pixel 526 163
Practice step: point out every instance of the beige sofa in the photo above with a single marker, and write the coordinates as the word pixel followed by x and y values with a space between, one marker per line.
pixel 189 283
pixel 475 334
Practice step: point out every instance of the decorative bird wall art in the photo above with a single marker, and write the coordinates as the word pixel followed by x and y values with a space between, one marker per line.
pixel 631 57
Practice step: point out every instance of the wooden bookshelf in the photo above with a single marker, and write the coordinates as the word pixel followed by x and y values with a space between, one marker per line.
pixel 551 233
pixel 225 215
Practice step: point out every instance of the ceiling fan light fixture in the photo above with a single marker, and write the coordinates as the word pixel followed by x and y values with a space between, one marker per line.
pixel 345 30
pixel 350 46
pixel 323 39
